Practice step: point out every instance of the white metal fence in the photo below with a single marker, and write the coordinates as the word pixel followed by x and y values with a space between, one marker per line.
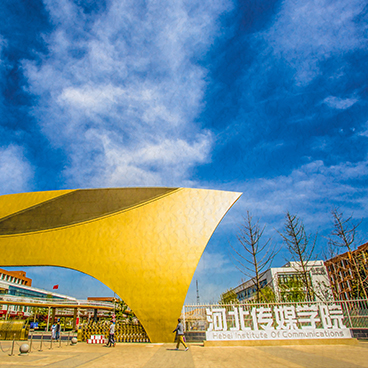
pixel 350 313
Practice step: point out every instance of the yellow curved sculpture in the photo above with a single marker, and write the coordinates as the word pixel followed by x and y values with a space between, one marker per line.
pixel 143 243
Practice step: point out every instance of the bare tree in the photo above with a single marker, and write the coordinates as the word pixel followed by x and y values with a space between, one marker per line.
pixel 254 257
pixel 301 249
pixel 329 251
pixel 343 236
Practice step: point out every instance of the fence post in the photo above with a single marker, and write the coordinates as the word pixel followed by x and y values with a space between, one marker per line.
pixel 41 342
pixel 30 344
pixel 12 349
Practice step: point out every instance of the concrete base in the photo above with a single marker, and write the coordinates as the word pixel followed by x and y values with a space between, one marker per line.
pixel 282 342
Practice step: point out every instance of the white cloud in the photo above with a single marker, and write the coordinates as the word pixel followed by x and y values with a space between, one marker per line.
pixel 145 164
pixel 307 32
pixel 90 99
pixel 310 191
pixel 364 133
pixel 122 97
pixel 339 103
pixel 15 171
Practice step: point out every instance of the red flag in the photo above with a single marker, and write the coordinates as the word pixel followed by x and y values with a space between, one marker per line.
pixel 56 287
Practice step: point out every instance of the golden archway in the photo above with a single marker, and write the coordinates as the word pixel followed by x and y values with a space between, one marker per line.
pixel 143 243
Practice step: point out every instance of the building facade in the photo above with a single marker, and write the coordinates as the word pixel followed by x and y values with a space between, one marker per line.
pixel 343 275
pixel 15 277
pixel 279 278
pixel 13 284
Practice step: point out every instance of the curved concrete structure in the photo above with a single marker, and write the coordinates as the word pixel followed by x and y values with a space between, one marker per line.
pixel 143 243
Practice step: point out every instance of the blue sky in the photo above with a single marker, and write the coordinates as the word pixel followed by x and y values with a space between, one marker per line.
pixel 264 97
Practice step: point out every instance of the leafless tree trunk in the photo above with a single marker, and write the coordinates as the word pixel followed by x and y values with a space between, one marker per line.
pixel 343 236
pixel 300 249
pixel 254 257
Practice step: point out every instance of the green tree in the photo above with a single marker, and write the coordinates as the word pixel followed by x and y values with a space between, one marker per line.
pixel 39 314
pixel 267 295
pixel 122 311
pixel 229 297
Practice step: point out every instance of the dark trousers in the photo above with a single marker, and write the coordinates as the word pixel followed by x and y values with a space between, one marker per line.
pixel 111 340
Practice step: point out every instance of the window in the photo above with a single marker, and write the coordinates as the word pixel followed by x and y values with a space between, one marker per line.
pixel 263 283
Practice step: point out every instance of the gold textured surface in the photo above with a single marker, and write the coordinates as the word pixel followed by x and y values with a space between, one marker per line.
pixel 76 206
pixel 146 252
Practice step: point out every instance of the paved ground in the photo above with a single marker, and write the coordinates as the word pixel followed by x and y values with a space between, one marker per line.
pixel 164 355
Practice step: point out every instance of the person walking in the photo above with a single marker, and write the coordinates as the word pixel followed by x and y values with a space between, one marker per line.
pixel 111 341
pixel 57 330
pixel 180 335
pixel 53 331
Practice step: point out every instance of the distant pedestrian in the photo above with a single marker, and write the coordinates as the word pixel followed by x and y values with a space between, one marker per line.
pixel 180 335
pixel 53 331
pixel 111 341
pixel 57 330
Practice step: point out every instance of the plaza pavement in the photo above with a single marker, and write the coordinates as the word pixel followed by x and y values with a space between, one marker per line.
pixel 164 355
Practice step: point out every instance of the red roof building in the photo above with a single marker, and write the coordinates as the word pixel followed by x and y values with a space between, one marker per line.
pixel 15 277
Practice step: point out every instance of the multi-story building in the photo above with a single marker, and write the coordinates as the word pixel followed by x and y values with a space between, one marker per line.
pixel 15 277
pixel 16 284
pixel 279 278
pixel 343 274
